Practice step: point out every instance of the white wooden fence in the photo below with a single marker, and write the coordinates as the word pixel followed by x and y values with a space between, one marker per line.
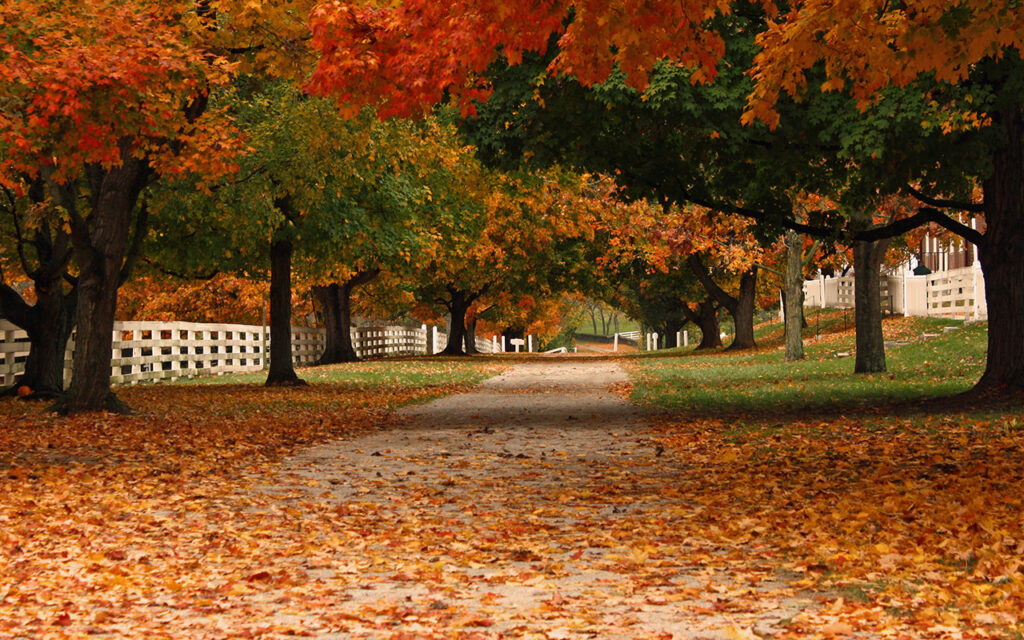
pixel 955 293
pixel 148 351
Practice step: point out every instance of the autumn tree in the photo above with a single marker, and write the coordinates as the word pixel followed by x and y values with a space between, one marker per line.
pixel 962 64
pixel 927 50
pixel 100 98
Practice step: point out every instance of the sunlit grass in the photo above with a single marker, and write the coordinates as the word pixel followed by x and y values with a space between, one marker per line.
pixel 945 364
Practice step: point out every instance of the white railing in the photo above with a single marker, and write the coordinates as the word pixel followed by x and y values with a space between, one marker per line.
pixel 389 341
pixel 149 351
pixel 956 293
pixel 953 293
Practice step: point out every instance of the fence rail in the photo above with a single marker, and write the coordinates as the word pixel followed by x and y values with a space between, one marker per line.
pixel 956 293
pixel 151 351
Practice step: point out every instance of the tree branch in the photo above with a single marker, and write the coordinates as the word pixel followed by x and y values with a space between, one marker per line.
pixel 943 204
pixel 924 215
pixel 14 308
pixel 704 276
pixel 177 274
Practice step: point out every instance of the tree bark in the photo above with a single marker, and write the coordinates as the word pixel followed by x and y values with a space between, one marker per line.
pixel 705 317
pixel 470 337
pixel 1002 260
pixel 741 307
pixel 743 314
pixel 336 300
pixel 672 327
pixel 100 247
pixel 48 334
pixel 794 296
pixel 282 368
pixel 48 324
pixel 458 304
pixel 867 262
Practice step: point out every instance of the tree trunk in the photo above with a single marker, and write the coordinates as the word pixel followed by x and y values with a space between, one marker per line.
pixel 743 312
pixel 1002 260
pixel 867 261
pixel 706 318
pixel 282 368
pixel 100 247
pixel 458 305
pixel 470 337
pixel 741 307
pixel 672 327
pixel 794 296
pixel 329 298
pixel 336 300
pixel 54 314
pixel 48 324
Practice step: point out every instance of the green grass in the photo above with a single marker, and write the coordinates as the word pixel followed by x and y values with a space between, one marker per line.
pixel 723 382
pixel 400 373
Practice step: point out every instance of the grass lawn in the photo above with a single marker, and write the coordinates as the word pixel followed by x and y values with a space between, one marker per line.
pixel 720 381
pixel 397 372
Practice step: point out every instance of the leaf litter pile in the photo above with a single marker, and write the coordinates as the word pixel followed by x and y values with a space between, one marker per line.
pixel 165 523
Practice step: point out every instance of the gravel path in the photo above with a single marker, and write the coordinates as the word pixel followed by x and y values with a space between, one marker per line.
pixel 532 507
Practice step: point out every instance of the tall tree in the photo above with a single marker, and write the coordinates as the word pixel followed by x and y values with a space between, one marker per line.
pixel 962 61
pixel 99 98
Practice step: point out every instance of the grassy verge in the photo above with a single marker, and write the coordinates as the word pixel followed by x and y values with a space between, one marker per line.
pixel 942 365
pixel 396 373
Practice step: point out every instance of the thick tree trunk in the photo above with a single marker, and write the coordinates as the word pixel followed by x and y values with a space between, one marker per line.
pixel 470 337
pixel 54 313
pixel 706 317
pixel 867 261
pixel 741 307
pixel 743 312
pixel 336 300
pixel 794 297
pixel 1002 260
pixel 458 305
pixel 48 324
pixel 101 249
pixel 282 368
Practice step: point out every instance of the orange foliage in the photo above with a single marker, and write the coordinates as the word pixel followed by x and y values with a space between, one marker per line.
pixel 407 55
pixel 224 298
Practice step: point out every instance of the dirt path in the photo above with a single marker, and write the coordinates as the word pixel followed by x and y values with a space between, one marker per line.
pixel 535 506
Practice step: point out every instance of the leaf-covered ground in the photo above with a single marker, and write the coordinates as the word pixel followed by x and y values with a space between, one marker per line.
pixel 544 510
pixel 906 506
pixel 117 524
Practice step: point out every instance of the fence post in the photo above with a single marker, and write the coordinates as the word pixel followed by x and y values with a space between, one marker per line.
pixel 494 344
pixel 679 339
pixel 529 343
pixel 686 338
pixel 615 343
pixel 503 344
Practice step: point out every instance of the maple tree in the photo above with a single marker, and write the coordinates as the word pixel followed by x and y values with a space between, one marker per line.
pixel 963 63
pixel 99 98
pixel 376 222
pixel 386 54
